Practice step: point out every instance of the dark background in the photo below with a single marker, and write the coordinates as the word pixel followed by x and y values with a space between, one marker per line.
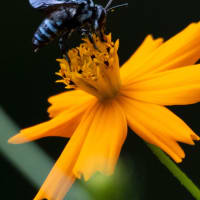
pixel 28 79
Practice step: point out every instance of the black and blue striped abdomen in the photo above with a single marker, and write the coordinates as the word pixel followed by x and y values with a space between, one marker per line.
pixel 46 32
pixel 59 22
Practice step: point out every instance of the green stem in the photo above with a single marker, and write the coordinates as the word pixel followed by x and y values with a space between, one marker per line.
pixel 176 171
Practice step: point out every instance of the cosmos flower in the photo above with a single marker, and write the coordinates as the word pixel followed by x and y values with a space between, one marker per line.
pixel 107 98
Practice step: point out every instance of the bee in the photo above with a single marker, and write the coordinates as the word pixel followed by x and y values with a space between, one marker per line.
pixel 63 17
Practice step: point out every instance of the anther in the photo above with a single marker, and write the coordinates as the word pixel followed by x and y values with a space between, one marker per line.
pixel 80 71
pixel 92 56
pixel 106 63
pixel 71 82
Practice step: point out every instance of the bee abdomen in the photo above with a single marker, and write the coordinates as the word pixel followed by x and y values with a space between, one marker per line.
pixel 46 32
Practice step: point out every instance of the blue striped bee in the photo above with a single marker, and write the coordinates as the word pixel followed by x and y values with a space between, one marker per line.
pixel 66 16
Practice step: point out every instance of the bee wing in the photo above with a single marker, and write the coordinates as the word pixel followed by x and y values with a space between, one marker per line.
pixel 44 4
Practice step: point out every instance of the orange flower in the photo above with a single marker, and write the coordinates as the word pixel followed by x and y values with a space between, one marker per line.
pixel 106 98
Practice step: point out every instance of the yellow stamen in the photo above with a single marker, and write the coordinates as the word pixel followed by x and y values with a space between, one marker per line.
pixel 94 70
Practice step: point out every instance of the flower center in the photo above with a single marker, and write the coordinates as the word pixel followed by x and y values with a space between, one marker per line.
pixel 94 70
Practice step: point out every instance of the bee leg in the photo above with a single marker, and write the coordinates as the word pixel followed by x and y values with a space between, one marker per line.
pixel 61 45
pixel 99 29
pixel 63 48
pixel 83 32
pixel 101 35
pixel 92 41
pixel 67 58
pixel 86 33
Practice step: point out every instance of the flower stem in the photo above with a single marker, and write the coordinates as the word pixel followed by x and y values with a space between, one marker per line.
pixel 176 171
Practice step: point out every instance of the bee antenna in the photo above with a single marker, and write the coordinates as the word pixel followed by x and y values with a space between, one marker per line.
pixel 121 5
pixel 108 4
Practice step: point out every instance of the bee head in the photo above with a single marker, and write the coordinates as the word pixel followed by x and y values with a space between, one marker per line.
pixel 100 13
pixel 99 16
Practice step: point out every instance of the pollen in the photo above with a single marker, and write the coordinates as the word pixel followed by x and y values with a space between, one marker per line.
pixel 93 68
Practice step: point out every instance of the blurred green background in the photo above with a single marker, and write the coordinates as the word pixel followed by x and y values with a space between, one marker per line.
pixel 28 79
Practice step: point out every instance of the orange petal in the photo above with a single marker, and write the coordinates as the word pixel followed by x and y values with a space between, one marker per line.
pixel 103 144
pixel 179 51
pixel 142 53
pixel 63 125
pixel 66 100
pixel 157 125
pixel 61 177
pixel 174 87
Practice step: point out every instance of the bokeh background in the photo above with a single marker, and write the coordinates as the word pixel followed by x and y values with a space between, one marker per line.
pixel 28 79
